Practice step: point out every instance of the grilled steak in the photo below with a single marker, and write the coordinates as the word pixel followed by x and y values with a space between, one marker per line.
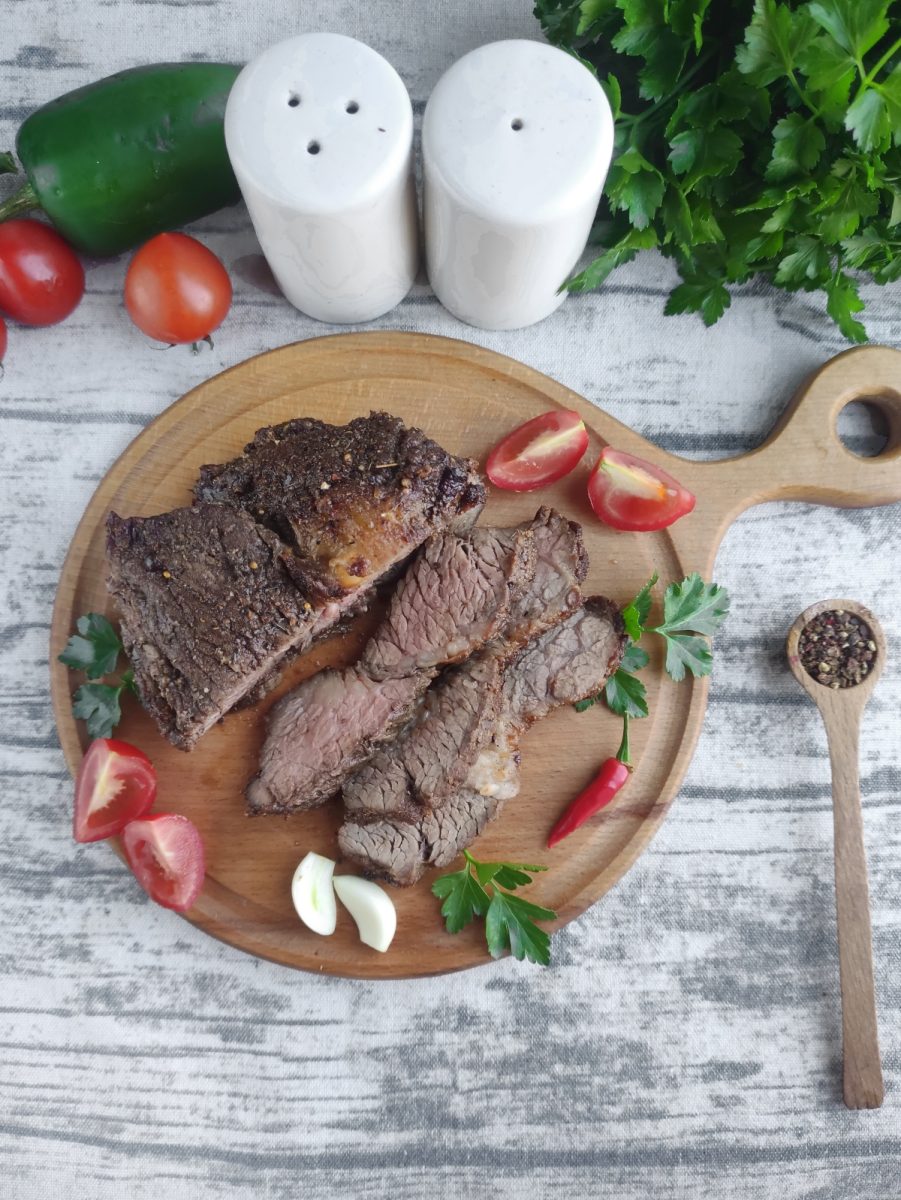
pixel 563 665
pixel 462 590
pixel 283 542
pixel 351 500
pixel 328 726
pixel 207 608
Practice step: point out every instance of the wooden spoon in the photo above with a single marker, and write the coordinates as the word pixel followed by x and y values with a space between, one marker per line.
pixel 841 710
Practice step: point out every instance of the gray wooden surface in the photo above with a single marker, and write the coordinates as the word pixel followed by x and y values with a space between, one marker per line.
pixel 686 1042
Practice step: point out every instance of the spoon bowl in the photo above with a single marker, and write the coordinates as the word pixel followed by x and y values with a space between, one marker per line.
pixel 842 709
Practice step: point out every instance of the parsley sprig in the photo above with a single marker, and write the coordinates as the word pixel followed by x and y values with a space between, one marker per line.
pixel 760 139
pixel 485 889
pixel 95 649
pixel 692 612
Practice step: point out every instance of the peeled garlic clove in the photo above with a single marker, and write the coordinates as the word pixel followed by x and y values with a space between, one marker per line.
pixel 371 908
pixel 313 894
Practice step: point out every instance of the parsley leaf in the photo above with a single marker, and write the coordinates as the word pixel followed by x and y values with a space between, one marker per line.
pixel 692 611
pixel 694 605
pixel 464 898
pixel 626 695
pixel 98 705
pixel 636 613
pixel 94 649
pixel 509 919
pixel 510 925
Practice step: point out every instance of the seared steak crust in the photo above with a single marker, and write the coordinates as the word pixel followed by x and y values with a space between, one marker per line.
pixel 207 607
pixel 350 500
pixel 282 543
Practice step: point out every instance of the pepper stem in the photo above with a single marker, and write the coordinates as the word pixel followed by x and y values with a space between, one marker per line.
pixel 622 753
pixel 22 201
pixel 7 163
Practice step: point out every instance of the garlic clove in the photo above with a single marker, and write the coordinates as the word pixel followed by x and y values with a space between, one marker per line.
pixel 372 909
pixel 313 894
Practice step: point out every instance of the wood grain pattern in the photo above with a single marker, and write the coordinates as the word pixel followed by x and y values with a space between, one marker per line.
pixel 842 711
pixel 466 399
pixel 685 1043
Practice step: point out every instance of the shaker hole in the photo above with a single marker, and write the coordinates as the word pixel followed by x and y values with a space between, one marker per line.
pixel 516 124
pixel 293 100
pixel 313 147
pixel 352 107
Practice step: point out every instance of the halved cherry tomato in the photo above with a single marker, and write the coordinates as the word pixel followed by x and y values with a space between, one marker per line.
pixel 632 494
pixel 116 783
pixel 41 278
pixel 176 290
pixel 539 452
pixel 165 852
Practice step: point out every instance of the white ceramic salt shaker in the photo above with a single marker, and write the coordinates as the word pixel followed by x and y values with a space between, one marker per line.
pixel 319 130
pixel 517 139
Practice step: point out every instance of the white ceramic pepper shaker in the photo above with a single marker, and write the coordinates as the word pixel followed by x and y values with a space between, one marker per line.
pixel 319 130
pixel 517 139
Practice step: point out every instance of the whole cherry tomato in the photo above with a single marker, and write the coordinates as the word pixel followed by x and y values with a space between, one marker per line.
pixel 41 278
pixel 176 290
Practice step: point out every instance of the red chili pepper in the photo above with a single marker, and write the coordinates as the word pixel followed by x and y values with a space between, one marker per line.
pixel 605 785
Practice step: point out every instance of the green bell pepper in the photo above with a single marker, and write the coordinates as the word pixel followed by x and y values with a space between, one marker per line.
pixel 137 153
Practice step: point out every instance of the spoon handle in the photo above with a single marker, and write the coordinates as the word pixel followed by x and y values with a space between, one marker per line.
pixel 862 1081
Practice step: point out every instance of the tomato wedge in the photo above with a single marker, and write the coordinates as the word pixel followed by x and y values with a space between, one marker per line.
pixel 539 452
pixel 632 494
pixel 165 852
pixel 116 783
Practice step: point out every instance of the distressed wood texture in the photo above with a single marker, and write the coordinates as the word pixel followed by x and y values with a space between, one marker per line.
pixel 686 1042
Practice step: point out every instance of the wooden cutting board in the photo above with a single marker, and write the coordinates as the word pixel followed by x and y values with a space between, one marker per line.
pixel 466 398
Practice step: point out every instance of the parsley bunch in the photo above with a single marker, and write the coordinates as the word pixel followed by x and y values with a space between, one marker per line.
pixel 95 649
pixel 692 612
pixel 750 139
pixel 484 889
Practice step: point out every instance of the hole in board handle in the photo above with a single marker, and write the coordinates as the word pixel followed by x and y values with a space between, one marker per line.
pixel 866 428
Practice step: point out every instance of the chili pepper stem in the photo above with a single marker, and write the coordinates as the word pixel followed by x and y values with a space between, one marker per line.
pixel 622 753
pixel 7 163
pixel 22 201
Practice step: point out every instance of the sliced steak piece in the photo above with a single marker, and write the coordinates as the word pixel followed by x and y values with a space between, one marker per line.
pixel 328 726
pixel 207 609
pixel 352 501
pixel 461 591
pixel 563 665
pixel 433 757
pixel 456 595
pixel 561 564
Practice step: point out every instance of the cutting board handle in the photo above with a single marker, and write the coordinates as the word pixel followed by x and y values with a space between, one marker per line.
pixel 803 457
